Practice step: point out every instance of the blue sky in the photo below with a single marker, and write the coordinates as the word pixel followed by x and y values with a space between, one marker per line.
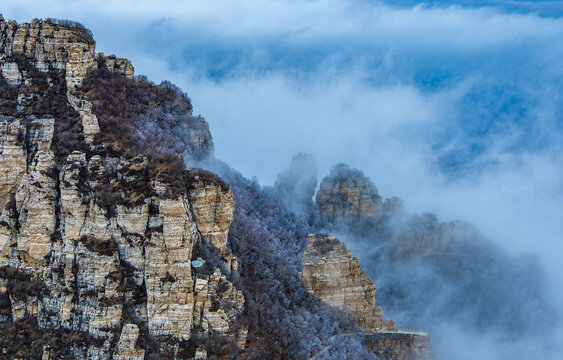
pixel 454 106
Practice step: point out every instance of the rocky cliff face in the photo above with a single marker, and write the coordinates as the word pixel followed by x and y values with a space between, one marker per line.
pixel 100 251
pixel 111 249
pixel 346 196
pixel 334 275
pixel 349 197
pixel 50 45
pixel 458 274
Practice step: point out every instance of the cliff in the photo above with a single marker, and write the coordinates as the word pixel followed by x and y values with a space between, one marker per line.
pixel 111 249
pixel 458 274
pixel 346 196
pixel 99 241
pixel 334 275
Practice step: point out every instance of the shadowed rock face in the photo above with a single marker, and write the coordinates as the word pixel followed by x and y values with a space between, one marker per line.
pixel 300 180
pixel 97 246
pixel 334 275
pixel 347 196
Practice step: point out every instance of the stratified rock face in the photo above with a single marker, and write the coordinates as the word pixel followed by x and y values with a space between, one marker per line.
pixel 334 275
pixel 97 266
pixel 213 207
pixel 96 247
pixel 53 51
pixel 300 180
pixel 50 45
pixel 347 195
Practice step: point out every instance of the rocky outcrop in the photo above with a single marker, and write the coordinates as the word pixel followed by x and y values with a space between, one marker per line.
pixel 334 275
pixel 103 264
pixel 49 45
pixel 121 65
pixel 96 247
pixel 348 196
pixel 299 182
pixel 213 207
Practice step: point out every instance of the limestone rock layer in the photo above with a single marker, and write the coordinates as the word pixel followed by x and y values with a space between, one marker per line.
pixel 334 275
pixel 346 196
pixel 96 246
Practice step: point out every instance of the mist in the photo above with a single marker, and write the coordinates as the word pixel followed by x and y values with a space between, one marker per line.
pixel 457 109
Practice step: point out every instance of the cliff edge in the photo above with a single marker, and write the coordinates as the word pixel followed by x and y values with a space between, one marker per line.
pixel 108 248
pixel 334 275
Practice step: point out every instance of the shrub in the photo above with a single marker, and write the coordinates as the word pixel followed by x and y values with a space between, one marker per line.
pixel 137 116
pixel 102 247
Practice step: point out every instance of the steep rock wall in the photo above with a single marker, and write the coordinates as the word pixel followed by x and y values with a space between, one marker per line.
pixel 96 248
pixel 346 195
pixel 334 275
pixel 106 267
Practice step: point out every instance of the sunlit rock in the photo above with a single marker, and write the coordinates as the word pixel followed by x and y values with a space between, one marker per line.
pixel 95 243
pixel 347 196
pixel 332 273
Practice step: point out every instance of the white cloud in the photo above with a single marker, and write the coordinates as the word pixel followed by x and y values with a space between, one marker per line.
pixel 305 21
